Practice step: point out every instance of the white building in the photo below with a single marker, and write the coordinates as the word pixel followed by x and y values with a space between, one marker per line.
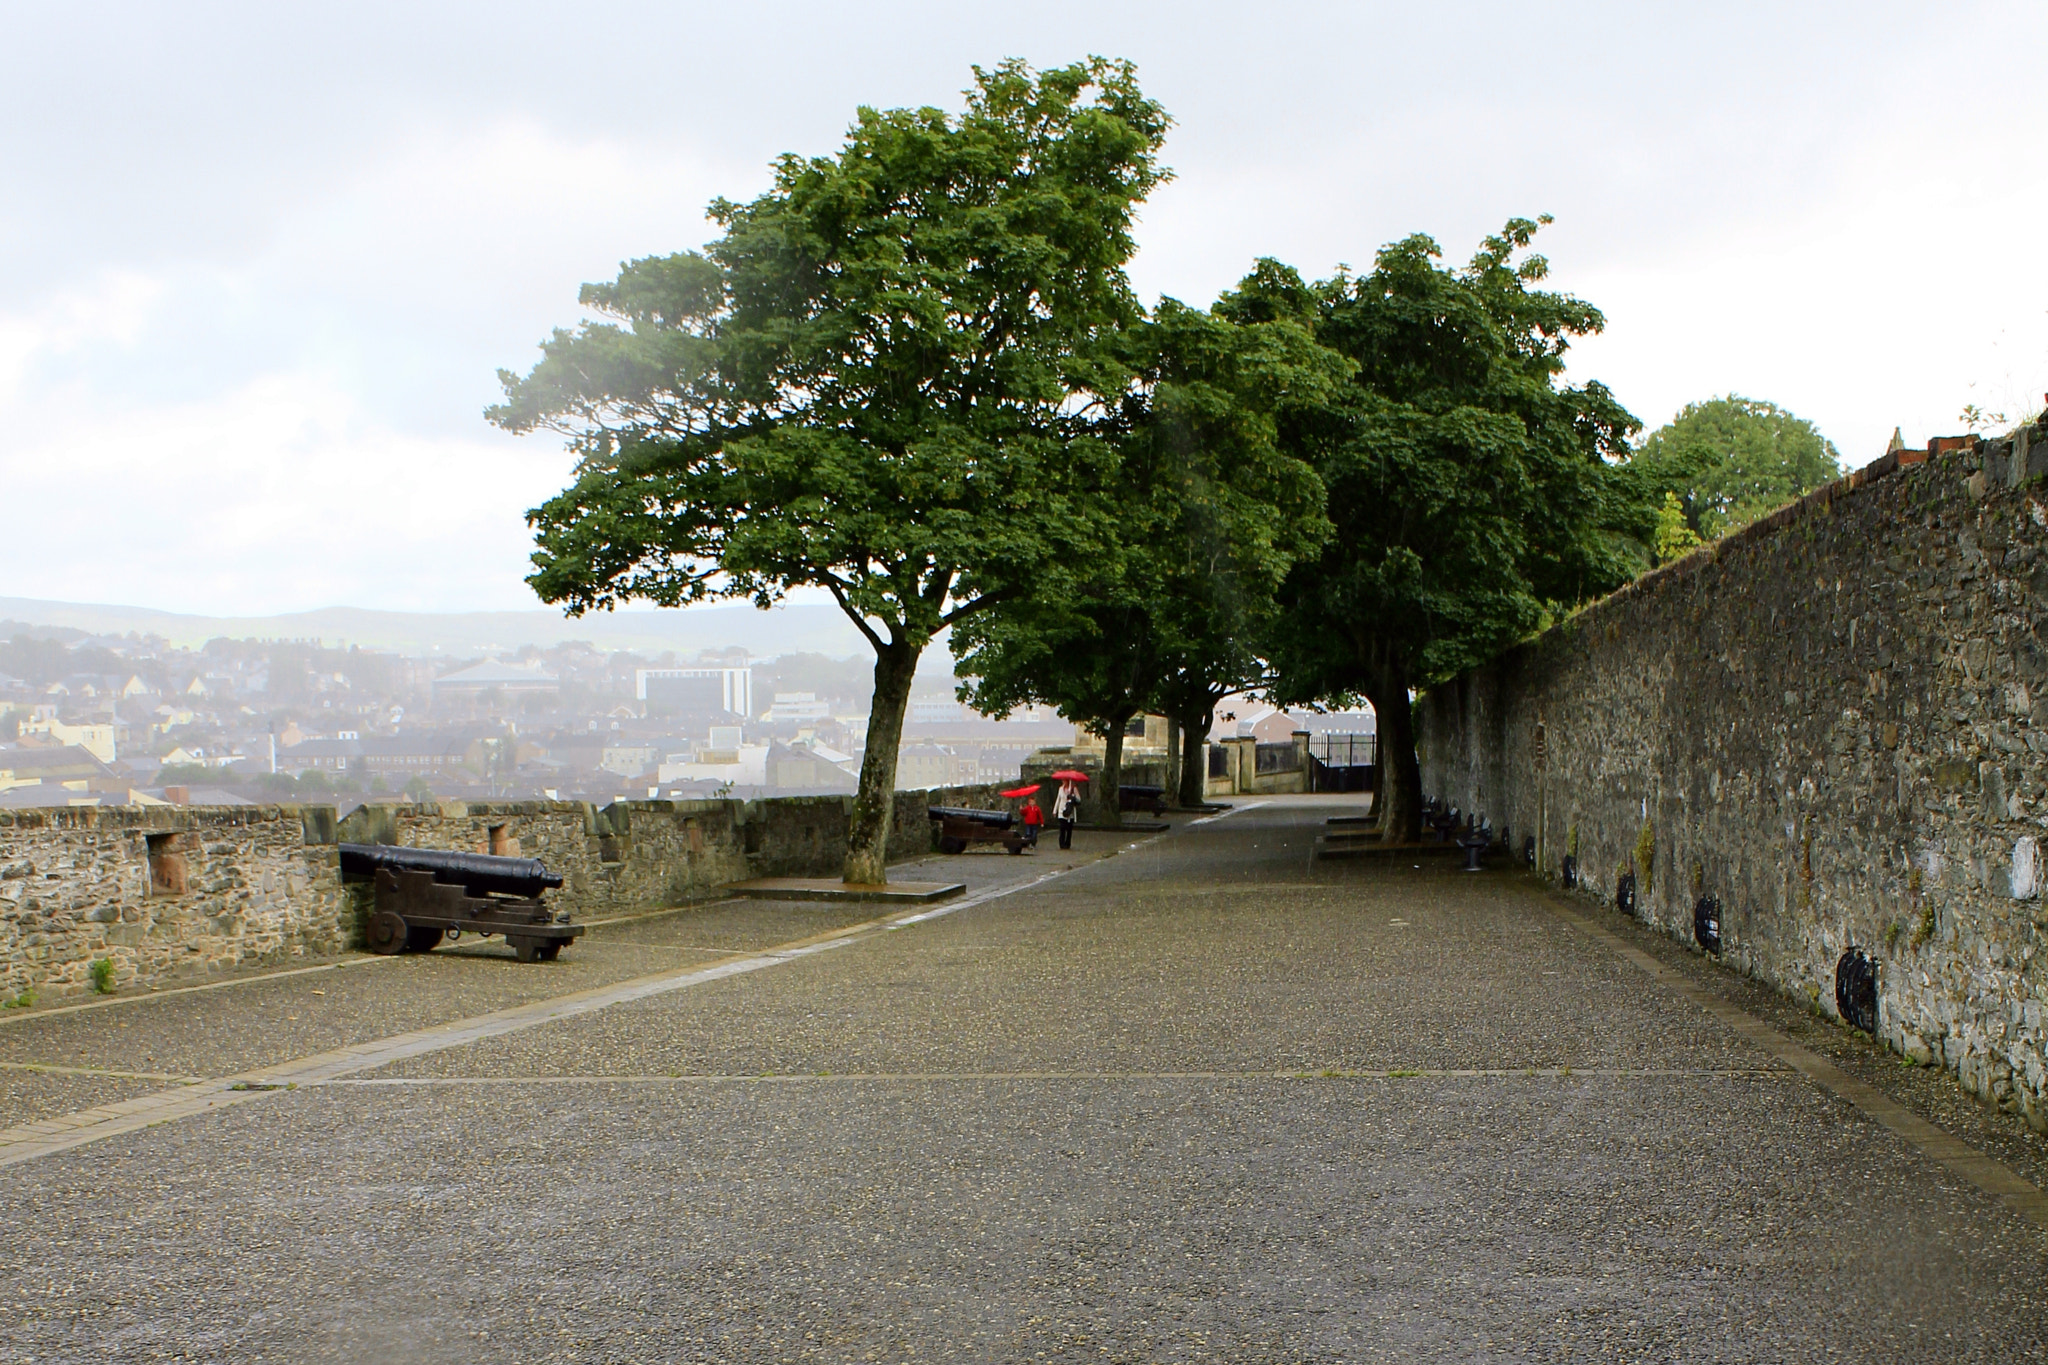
pixel 728 689
pixel 804 708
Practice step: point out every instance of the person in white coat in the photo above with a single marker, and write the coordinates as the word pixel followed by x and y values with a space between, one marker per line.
pixel 1064 809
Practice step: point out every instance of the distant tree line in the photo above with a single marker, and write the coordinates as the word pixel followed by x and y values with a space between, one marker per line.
pixel 914 375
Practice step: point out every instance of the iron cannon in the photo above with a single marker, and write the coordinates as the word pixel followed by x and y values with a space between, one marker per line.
pixel 427 894
pixel 960 826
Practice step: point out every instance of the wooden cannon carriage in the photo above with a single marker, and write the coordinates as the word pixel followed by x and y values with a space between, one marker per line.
pixel 427 894
pixel 959 827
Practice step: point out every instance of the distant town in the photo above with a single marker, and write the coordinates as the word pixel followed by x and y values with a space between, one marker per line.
pixel 97 719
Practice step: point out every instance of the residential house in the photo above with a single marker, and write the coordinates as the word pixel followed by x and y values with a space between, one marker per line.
pixel 402 757
pixel 338 755
pixel 67 766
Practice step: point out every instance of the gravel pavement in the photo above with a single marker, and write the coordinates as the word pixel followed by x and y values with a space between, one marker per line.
pixel 1114 1116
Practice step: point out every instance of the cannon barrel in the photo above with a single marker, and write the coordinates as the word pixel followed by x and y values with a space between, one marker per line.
pixel 1000 819
pixel 480 873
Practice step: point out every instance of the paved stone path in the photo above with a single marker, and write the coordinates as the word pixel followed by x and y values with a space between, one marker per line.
pixel 1202 1100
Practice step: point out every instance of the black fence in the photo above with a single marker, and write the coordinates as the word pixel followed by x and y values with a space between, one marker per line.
pixel 1343 762
pixel 1356 777
pixel 1345 751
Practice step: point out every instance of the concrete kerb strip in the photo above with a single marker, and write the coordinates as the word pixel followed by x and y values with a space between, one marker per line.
pixel 1991 1176
pixel 1225 815
pixel 47 1137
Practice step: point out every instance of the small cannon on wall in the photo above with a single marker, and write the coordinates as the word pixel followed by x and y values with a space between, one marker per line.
pixel 427 894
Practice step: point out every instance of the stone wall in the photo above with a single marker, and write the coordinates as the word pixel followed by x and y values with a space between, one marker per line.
pixel 161 891
pixel 1835 724
pixel 235 885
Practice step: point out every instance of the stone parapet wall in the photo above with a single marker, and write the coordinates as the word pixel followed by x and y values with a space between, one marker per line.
pixel 1835 723
pixel 246 884
pixel 231 885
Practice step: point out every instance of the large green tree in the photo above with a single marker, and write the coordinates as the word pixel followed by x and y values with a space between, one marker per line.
pixel 883 380
pixel 1730 460
pixel 1210 514
pixel 1473 492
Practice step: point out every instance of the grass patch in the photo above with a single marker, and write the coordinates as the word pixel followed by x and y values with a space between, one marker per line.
pixel 102 974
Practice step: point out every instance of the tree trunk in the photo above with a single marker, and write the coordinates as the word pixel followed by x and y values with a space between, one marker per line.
pixel 1194 763
pixel 867 829
pixel 1108 800
pixel 1172 790
pixel 1399 779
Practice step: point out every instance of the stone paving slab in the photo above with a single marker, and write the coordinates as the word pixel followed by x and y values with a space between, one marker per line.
pixel 1130 1220
pixel 1379 974
pixel 29 1097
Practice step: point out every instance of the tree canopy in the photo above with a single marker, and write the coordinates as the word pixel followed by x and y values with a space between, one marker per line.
pixel 1728 461
pixel 888 379
pixel 1472 492
pixel 1211 512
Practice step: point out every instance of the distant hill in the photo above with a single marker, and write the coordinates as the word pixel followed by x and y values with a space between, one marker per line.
pixel 805 627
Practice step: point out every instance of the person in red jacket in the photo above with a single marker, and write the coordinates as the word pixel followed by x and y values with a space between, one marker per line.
pixel 1034 821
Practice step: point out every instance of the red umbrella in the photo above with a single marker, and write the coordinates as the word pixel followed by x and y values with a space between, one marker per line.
pixel 1069 775
pixel 1031 790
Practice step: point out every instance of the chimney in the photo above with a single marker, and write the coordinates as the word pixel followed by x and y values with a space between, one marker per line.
pixel 178 796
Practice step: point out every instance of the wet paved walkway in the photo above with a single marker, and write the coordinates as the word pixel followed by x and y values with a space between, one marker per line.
pixel 1201 1100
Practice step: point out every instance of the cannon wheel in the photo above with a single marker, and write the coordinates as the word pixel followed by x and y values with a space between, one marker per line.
pixel 422 938
pixel 386 933
pixel 949 843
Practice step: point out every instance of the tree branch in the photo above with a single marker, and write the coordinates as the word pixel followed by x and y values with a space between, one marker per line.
pixel 965 609
pixel 839 596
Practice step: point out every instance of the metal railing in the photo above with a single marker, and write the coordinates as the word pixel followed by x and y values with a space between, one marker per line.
pixel 1345 750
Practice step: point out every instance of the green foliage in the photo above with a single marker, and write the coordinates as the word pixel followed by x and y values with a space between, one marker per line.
pixel 1646 856
pixel 1730 460
pixel 1210 514
pixel 25 1000
pixel 886 379
pixel 1473 493
pixel 186 774
pixel 1673 538
pixel 1975 418
pixel 102 973
pixel 418 792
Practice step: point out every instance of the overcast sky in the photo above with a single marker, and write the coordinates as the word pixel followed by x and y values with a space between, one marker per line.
pixel 258 264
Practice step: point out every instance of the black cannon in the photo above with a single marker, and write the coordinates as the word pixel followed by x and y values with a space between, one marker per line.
pixel 1137 796
pixel 960 826
pixel 427 894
